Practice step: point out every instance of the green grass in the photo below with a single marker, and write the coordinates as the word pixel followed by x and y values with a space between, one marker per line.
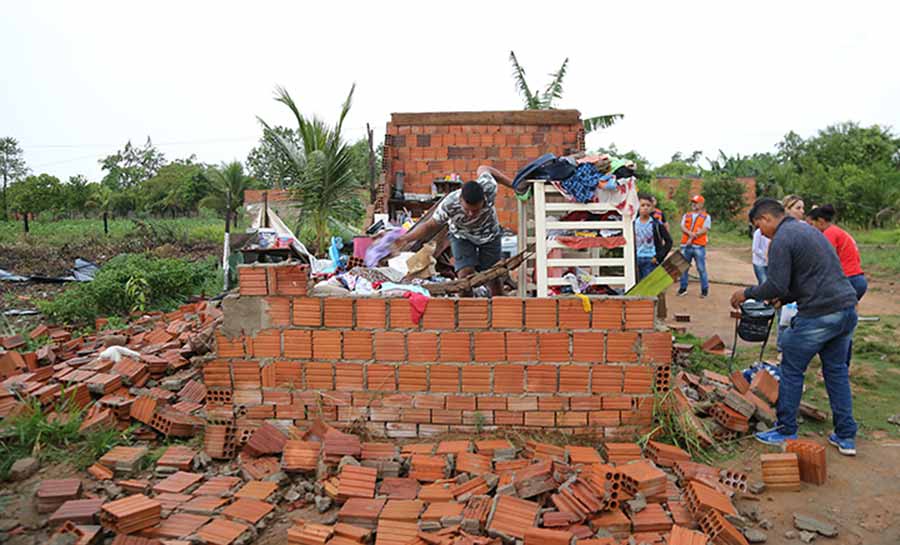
pixel 58 233
pixel 56 439
pixel 874 376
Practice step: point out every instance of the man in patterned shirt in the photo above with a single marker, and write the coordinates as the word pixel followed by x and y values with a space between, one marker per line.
pixel 475 231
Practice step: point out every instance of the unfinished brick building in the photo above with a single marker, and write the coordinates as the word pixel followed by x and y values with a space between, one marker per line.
pixel 422 147
pixel 468 365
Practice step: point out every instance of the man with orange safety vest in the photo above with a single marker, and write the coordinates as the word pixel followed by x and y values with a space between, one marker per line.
pixel 694 228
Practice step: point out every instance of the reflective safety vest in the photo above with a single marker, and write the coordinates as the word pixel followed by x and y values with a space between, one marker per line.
pixel 693 227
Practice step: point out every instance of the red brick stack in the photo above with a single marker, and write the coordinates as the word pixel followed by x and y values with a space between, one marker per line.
pixel 429 146
pixel 468 365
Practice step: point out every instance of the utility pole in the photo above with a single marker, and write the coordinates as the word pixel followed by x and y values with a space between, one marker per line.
pixel 227 243
pixel 371 136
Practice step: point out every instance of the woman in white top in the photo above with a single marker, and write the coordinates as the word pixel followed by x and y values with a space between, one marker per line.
pixel 760 256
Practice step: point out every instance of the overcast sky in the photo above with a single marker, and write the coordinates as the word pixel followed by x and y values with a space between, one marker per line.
pixel 82 78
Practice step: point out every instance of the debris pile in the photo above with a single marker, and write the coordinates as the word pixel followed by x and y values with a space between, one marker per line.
pixel 141 373
pixel 724 408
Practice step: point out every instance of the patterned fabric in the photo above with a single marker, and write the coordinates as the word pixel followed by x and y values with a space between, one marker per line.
pixel 583 183
pixel 643 238
pixel 478 230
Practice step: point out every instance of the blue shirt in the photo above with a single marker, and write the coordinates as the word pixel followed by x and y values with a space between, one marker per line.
pixel 643 238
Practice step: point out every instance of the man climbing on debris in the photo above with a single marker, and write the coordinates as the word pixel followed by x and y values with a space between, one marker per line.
pixel 475 231
pixel 803 267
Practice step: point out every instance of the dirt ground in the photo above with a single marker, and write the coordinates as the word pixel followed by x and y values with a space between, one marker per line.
pixel 729 269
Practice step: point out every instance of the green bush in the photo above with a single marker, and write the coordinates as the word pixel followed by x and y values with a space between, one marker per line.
pixel 724 198
pixel 166 284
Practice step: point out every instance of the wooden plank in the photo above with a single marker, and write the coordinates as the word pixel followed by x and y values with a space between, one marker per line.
pixel 630 264
pixel 585 225
pixel 578 206
pixel 540 235
pixel 521 243
pixel 514 117
pixel 586 262
pixel 596 281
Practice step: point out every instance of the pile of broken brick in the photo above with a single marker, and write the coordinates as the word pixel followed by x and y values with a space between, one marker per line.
pixel 144 372
pixel 724 408
pixel 452 492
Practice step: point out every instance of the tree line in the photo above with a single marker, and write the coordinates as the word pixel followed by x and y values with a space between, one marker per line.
pixel 853 167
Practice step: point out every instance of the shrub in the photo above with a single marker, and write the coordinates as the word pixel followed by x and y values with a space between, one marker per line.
pixel 165 284
pixel 724 198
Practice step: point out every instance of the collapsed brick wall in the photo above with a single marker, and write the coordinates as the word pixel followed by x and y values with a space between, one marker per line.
pixel 427 146
pixel 470 364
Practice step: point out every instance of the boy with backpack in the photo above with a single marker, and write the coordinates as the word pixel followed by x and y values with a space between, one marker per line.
pixel 651 238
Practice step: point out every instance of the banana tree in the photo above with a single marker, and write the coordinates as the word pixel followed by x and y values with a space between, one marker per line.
pixel 535 100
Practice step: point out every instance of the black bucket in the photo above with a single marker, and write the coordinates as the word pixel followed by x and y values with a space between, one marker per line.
pixel 756 321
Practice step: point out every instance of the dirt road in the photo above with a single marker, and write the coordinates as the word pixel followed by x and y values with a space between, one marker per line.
pixel 730 266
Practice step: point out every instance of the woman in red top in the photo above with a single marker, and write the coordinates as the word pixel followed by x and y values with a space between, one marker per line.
pixel 821 218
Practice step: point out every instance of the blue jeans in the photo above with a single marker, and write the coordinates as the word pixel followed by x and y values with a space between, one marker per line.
pixel 645 266
pixel 828 336
pixel 859 284
pixel 698 254
pixel 761 272
pixel 480 257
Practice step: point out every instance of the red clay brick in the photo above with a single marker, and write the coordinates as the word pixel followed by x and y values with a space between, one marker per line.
pixel 308 311
pixel 588 346
pixel 507 312
pixel 545 419
pixel 476 379
pixel 338 312
pixel 572 315
pixel 554 347
pixel 571 418
pixel 400 314
pixel 604 418
pixel 621 347
pixel 607 314
pixel 540 313
pixel 490 346
pixel 444 378
pixel 446 416
pixel 574 379
pixel 639 314
pixel 463 403
pixel 230 347
pixel 252 280
pixel 266 344
pixel 541 378
pixel 371 313
pixel 491 403
pixel 440 314
pixel 357 345
pixel 412 378
pixel 521 346
pixel 381 377
pixel 607 379
pixel 279 311
pixel 656 347
pixel 298 343
pixel 509 379
pixel 455 346
pixel 473 313
pixel 348 377
pixel 390 346
pixel 326 344
pixel 508 418
pixel 319 376
pixel 422 346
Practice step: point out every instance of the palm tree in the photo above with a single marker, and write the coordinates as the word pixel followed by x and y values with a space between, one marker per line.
pixel 227 191
pixel 544 101
pixel 328 187
pixel 101 199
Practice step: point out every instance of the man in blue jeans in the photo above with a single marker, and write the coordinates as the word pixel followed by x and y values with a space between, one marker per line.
pixel 694 228
pixel 804 267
